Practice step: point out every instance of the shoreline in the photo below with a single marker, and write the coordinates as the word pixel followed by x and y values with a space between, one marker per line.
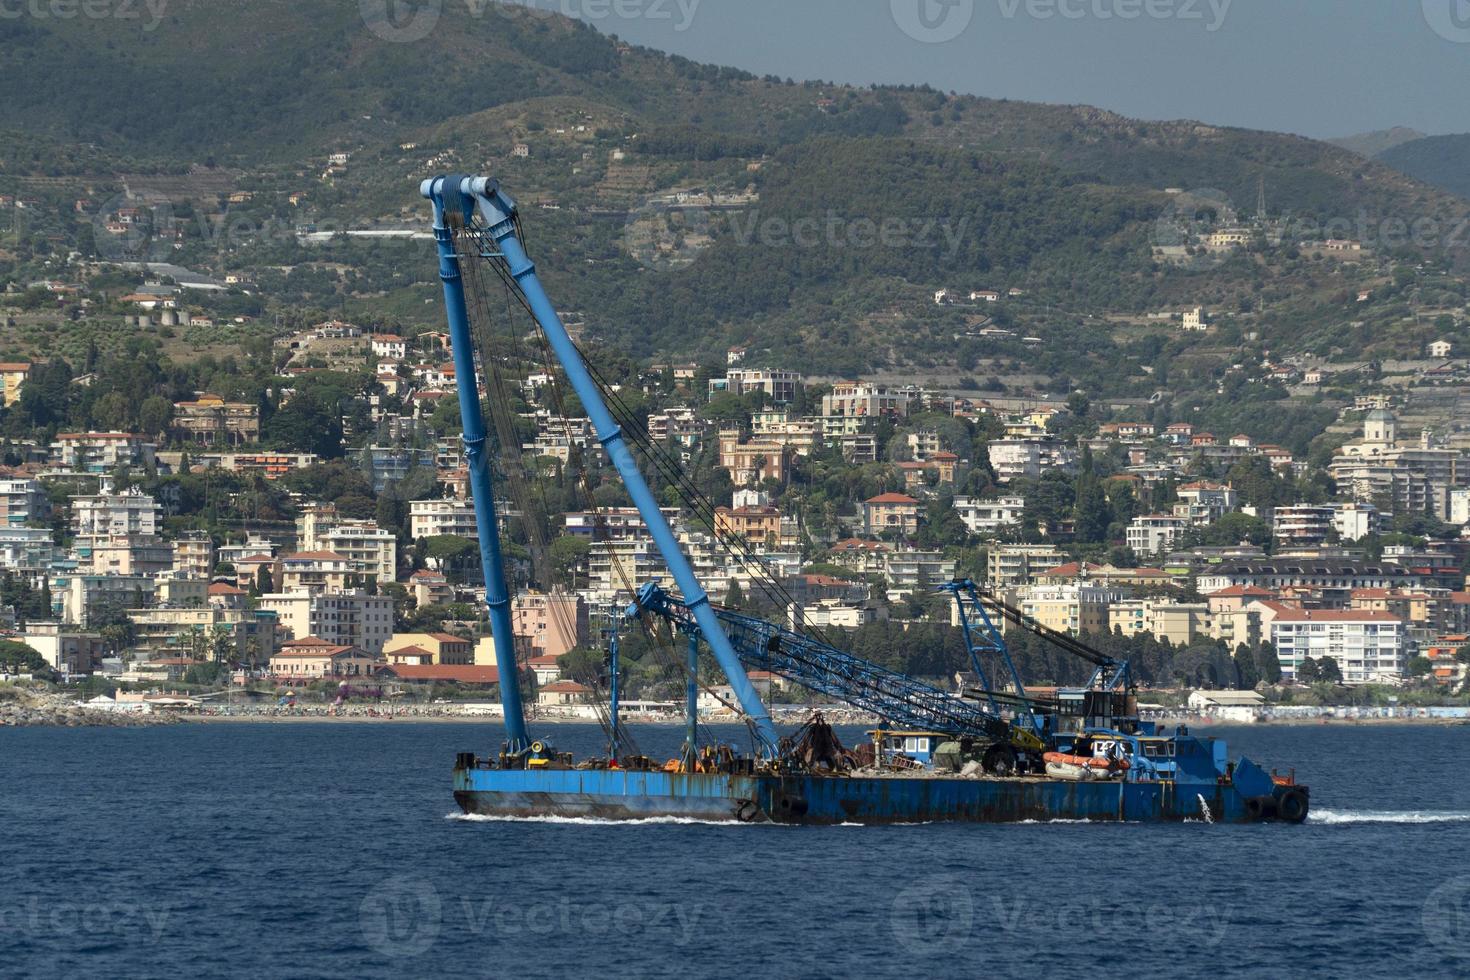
pixel 1204 724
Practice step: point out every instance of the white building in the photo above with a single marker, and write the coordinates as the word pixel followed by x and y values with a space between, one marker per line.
pixel 22 501
pixel 781 386
pixel 1368 645
pixel 1153 534
pixel 442 518
pixel 1027 458
pixel 108 513
pixel 1196 320
pixel 370 549
pixel 989 516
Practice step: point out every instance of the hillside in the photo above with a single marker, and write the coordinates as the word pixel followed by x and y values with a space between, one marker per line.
pixel 1378 142
pixel 1443 161
pixel 1061 207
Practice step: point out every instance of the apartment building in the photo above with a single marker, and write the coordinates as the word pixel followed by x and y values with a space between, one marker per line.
pixel 339 618
pixel 23 502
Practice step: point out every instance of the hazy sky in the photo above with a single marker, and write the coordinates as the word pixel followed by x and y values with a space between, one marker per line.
pixel 1318 67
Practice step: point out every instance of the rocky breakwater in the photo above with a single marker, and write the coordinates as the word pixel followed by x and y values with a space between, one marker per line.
pixel 22 707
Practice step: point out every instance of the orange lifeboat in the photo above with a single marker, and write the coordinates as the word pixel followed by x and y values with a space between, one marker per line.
pixel 1061 765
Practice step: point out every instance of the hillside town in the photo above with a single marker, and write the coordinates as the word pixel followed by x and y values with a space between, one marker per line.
pixel 213 549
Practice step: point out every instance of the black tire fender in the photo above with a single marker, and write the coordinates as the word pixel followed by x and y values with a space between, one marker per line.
pixel 1293 806
pixel 747 811
pixel 1260 807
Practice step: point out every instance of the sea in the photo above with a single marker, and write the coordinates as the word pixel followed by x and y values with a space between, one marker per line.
pixel 336 850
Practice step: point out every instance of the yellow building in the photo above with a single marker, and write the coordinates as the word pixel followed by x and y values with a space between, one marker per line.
pixel 13 374
pixel 445 648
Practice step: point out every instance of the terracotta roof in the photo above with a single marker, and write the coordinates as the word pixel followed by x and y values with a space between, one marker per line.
pixel 1290 615
pixel 1240 591
pixel 891 498
pixel 220 588
pixel 1072 568
pixel 315 556
pixel 457 673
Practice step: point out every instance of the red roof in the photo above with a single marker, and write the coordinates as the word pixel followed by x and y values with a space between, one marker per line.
pixel 315 556
pixel 1072 568
pixel 1287 614
pixel 858 544
pixel 455 673
pixel 892 498
pixel 220 588
pixel 1241 591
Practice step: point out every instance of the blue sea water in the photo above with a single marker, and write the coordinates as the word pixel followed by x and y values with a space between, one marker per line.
pixel 314 850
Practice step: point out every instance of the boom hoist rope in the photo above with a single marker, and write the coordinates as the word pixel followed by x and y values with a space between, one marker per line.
pixel 661 641
pixel 670 469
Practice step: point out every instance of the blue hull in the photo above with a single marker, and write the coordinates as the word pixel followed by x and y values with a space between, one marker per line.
pixel 815 799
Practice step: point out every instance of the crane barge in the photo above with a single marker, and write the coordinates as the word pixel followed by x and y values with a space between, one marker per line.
pixel 987 756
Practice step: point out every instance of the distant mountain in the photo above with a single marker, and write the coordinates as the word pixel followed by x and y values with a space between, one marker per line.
pixel 1373 144
pixel 1443 161
pixel 868 200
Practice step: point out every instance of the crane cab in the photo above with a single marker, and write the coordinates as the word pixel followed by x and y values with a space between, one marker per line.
pixel 902 748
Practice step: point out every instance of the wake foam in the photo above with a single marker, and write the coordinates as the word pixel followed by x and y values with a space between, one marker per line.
pixel 591 821
pixel 1328 817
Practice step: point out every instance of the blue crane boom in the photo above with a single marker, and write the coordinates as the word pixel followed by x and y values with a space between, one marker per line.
pixel 491 217
pixel 450 208
pixel 821 667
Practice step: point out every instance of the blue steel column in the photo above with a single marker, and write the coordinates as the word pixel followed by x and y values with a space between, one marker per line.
pixel 497 211
pixel 612 698
pixel 482 488
pixel 691 707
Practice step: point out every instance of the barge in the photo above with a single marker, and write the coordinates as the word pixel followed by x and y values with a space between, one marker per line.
pixel 982 755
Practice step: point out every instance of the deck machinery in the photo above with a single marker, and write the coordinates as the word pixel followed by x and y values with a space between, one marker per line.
pixel 982 756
